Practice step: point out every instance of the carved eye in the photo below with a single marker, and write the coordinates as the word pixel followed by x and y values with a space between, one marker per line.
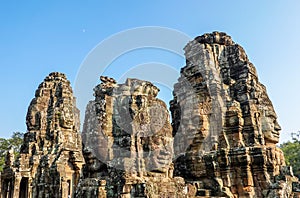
pixel 196 120
pixel 184 121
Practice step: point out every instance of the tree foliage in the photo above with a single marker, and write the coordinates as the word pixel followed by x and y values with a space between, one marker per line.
pixel 291 151
pixel 14 142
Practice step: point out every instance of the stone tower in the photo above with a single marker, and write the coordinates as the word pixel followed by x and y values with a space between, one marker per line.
pixel 51 157
pixel 128 143
pixel 225 126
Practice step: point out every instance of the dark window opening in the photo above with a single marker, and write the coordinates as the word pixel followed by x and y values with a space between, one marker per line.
pixel 23 188
pixel 69 188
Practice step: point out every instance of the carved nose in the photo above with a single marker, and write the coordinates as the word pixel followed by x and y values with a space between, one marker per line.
pixel 277 127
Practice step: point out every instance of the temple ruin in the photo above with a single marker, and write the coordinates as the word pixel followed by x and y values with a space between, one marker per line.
pixel 221 141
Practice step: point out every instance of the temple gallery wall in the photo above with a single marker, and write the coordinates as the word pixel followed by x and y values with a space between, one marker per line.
pixel 219 142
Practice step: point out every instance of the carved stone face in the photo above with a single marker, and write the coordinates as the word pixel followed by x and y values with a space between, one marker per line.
pixel 160 141
pixel 33 118
pixel 270 127
pixel 160 154
pixel 193 123
pixel 67 117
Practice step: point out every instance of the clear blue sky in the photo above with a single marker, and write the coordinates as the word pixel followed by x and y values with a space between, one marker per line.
pixel 38 37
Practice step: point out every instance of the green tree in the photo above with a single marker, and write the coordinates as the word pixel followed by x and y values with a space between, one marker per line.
pixel 291 151
pixel 14 142
pixel 4 145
